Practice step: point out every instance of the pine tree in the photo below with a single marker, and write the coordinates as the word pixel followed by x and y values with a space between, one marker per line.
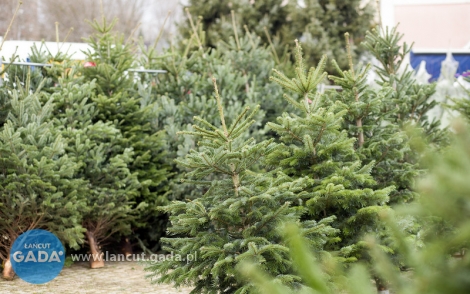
pixel 102 164
pixel 235 218
pixel 118 101
pixel 37 180
pixel 319 24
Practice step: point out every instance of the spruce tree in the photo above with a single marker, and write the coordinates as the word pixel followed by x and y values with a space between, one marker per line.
pixel 314 145
pixel 37 180
pixel 236 217
pixel 118 101
pixel 319 24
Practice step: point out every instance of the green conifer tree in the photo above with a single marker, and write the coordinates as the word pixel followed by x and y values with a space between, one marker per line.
pixel 243 67
pixel 315 145
pixel 319 24
pixel 118 101
pixel 37 179
pixel 411 99
pixel 103 165
pixel 440 266
pixel 235 218
pixel 243 64
pixel 376 117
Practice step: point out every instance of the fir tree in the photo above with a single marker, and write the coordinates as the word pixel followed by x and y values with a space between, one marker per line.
pixel 235 218
pixel 314 145
pixel 102 164
pixel 376 117
pixel 37 180
pixel 117 100
pixel 243 67
pixel 43 77
pixel 440 266
pixel 412 100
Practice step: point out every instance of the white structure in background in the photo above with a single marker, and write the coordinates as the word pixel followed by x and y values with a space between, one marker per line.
pixel 76 51
pixel 465 86
pixel 431 24
pixel 435 27
pixel 445 89
pixel 23 49
pixel 422 76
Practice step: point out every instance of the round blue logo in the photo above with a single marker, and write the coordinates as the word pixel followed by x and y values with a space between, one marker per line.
pixel 37 256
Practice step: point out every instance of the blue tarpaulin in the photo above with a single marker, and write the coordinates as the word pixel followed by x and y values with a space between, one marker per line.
pixel 434 60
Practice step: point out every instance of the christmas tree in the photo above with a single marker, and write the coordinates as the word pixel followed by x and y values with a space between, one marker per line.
pixel 412 99
pixel 376 116
pixel 102 164
pixel 243 67
pixel 440 266
pixel 243 64
pixel 236 217
pixel 319 24
pixel 314 145
pixel 37 180
pixel 118 101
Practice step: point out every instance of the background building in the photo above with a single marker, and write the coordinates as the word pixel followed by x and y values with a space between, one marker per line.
pixel 435 26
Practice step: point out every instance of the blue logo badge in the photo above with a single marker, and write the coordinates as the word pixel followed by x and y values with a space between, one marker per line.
pixel 37 256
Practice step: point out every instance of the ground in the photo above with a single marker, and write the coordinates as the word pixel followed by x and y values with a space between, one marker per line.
pixel 115 277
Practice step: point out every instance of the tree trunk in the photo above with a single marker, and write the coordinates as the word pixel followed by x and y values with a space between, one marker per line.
pixel 382 287
pixel 126 246
pixel 8 273
pixel 360 136
pixel 96 260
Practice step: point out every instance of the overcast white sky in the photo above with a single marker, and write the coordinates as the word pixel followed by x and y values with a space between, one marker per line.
pixel 158 9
